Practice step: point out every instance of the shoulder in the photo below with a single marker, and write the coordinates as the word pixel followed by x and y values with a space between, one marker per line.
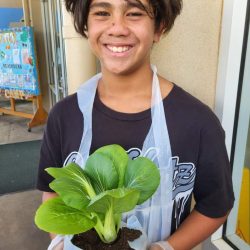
pixel 65 106
pixel 189 109
pixel 64 112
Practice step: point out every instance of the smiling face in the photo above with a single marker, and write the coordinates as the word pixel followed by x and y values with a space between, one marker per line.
pixel 121 34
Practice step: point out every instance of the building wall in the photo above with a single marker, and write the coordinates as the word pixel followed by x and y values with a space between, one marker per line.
pixel 80 62
pixel 188 55
pixel 11 4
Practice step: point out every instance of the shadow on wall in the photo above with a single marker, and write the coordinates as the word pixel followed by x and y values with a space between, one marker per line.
pixel 9 16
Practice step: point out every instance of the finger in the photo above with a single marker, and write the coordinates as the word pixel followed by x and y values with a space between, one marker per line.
pixel 59 246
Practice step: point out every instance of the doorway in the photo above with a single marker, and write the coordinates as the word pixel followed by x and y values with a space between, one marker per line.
pixel 237 230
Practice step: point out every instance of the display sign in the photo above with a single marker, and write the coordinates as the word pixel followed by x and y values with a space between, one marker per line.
pixel 18 70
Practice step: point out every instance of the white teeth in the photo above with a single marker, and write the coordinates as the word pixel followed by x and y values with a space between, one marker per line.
pixel 118 49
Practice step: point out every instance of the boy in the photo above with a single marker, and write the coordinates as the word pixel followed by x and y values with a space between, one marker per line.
pixel 121 34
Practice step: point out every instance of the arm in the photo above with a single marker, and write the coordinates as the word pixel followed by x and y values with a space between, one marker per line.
pixel 195 229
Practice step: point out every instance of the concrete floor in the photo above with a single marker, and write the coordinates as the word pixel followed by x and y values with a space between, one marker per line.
pixel 17 210
pixel 14 129
pixel 18 230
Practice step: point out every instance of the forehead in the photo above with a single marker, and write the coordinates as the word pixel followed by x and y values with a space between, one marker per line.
pixel 120 2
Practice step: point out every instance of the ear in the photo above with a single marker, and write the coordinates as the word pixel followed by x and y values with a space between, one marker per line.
pixel 157 36
pixel 158 33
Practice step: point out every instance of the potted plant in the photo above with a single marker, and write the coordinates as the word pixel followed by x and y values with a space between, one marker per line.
pixel 96 197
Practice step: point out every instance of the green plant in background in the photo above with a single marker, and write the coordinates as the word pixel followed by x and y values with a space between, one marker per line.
pixel 96 196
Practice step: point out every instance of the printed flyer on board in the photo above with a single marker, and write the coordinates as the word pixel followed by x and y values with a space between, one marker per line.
pixel 18 71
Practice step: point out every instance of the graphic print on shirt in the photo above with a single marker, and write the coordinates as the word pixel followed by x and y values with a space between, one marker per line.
pixel 183 184
pixel 183 180
pixel 151 153
pixel 74 157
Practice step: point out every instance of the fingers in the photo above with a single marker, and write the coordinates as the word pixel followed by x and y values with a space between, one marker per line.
pixel 59 246
pixel 161 245
pixel 155 247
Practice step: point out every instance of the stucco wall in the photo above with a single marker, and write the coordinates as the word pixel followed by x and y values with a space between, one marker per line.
pixel 11 3
pixel 188 55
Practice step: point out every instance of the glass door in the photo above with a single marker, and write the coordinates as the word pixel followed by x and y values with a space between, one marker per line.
pixel 52 18
pixel 237 231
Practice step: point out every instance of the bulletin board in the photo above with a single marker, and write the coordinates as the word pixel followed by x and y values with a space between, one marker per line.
pixel 18 66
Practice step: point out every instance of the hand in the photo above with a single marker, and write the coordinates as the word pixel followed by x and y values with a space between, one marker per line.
pixel 160 245
pixel 59 246
pixel 154 247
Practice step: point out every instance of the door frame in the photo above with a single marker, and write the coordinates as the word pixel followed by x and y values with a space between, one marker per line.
pixel 229 68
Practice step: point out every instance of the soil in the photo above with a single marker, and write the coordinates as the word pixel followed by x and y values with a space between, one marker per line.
pixel 90 240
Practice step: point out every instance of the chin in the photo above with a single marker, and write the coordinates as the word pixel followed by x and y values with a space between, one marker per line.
pixel 118 70
pixel 121 69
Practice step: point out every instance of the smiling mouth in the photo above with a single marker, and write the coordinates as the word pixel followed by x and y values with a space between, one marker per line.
pixel 118 49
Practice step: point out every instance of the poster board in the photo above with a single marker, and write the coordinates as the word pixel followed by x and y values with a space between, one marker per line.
pixel 19 73
pixel 18 66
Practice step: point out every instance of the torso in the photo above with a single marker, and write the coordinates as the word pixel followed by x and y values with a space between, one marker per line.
pixel 187 119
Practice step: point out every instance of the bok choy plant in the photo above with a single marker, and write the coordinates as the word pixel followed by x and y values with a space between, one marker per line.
pixel 96 196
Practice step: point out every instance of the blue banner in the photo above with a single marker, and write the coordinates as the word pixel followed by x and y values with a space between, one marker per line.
pixel 18 69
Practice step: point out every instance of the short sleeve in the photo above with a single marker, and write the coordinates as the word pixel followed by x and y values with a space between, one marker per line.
pixel 50 153
pixel 213 191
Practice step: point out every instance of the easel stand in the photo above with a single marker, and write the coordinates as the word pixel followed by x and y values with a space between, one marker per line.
pixel 38 118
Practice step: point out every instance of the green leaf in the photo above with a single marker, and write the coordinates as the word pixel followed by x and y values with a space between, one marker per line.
pixel 55 216
pixel 102 172
pixel 143 175
pixel 75 173
pixel 71 191
pixel 119 157
pixel 122 200
pixel 72 169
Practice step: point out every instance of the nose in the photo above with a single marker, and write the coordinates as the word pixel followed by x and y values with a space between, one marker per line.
pixel 118 26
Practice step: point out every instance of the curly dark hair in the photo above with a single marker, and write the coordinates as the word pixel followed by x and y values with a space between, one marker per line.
pixel 164 13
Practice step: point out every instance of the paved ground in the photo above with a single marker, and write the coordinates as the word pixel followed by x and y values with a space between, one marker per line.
pixel 18 230
pixel 17 209
pixel 14 129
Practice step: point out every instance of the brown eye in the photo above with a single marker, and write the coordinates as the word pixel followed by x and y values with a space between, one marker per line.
pixel 101 13
pixel 134 14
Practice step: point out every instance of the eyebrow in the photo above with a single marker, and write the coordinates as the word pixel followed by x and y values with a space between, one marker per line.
pixel 128 4
pixel 100 4
pixel 137 4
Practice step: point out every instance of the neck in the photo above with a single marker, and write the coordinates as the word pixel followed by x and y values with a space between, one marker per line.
pixel 137 83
